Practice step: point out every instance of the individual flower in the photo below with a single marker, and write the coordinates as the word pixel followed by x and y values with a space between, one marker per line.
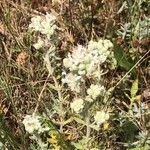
pixel 44 24
pixel 76 58
pixel 73 81
pixel 106 126
pixel 77 105
pixel 32 123
pixel 48 29
pixel 101 117
pixel 95 90
pixel 67 63
pixel 39 44
pixel 36 23
pixel 48 25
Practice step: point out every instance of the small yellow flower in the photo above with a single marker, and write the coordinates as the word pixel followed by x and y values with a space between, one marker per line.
pixel 54 137
pixel 3 109
pixel 54 140
pixel 106 126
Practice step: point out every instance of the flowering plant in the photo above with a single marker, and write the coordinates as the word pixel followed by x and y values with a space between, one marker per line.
pixel 83 64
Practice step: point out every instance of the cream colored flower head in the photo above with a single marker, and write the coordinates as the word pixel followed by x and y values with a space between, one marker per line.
pixel 101 49
pixel 36 23
pixel 100 46
pixel 32 123
pixel 77 105
pixel 101 117
pixel 108 44
pixel 73 81
pixel 67 63
pixel 39 44
pixel 44 24
pixel 85 60
pixel 95 90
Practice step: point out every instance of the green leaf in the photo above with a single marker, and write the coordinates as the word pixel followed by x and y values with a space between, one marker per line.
pixel 134 89
pixel 123 60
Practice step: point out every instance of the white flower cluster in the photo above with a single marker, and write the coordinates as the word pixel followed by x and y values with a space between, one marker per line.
pixel 86 61
pixel 32 123
pixel 101 117
pixel 101 49
pixel 78 61
pixel 77 105
pixel 94 91
pixel 44 24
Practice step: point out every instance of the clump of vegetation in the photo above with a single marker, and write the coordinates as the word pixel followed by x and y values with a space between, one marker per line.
pixel 74 75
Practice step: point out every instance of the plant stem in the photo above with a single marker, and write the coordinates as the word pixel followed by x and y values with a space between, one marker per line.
pixel 88 129
pixel 61 103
